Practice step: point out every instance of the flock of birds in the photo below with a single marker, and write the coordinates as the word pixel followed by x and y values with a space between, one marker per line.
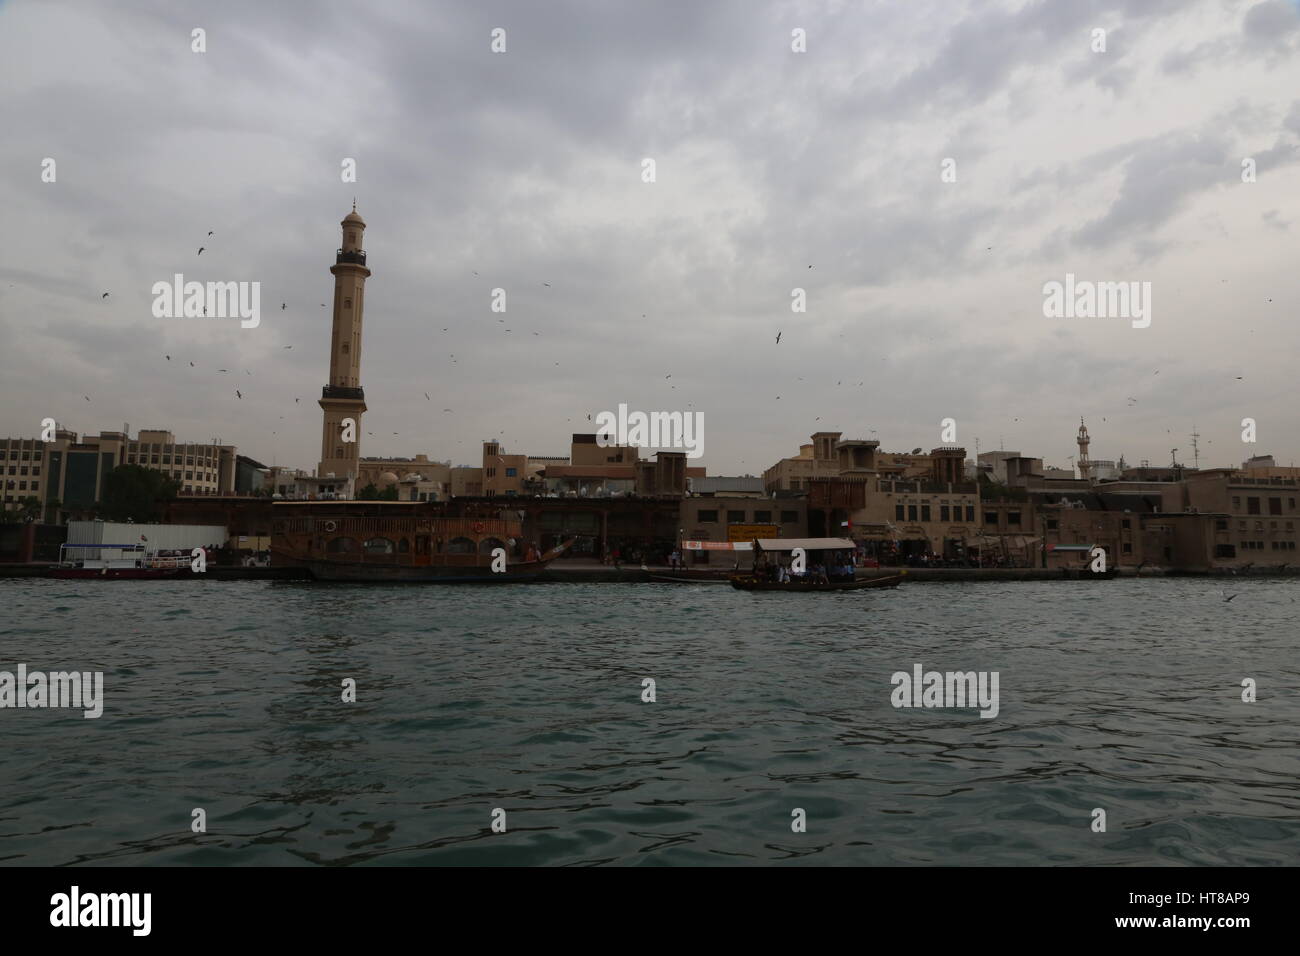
pixel 1131 401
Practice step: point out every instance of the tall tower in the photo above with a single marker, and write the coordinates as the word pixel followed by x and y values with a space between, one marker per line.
pixel 343 398
pixel 1084 464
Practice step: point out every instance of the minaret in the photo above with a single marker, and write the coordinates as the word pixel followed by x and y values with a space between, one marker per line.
pixel 343 397
pixel 1084 464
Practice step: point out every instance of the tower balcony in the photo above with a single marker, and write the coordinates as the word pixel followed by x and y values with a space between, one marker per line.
pixel 357 257
pixel 343 391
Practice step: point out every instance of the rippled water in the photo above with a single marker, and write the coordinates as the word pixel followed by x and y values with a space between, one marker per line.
pixel 1123 695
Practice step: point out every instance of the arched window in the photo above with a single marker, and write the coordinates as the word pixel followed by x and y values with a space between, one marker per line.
pixel 460 546
pixel 487 544
pixel 342 544
pixel 403 546
pixel 379 546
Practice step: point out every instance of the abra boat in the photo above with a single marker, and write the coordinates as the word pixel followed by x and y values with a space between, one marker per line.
pixel 362 542
pixel 748 582
pixel 122 562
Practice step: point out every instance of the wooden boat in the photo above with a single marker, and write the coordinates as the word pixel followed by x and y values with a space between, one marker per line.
pixel 716 578
pixel 365 542
pixel 748 582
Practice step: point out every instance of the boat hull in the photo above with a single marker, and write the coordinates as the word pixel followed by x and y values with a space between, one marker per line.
pixel 343 572
pixel 120 574
pixel 749 583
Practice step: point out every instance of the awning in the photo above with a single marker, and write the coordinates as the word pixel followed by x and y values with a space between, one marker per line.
pixel 1070 547
pixel 808 544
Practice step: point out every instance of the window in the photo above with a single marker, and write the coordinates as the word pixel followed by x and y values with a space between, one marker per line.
pixel 925 512
pixel 379 546
pixel 492 472
pixel 36 485
pixel 763 517
pixel 1224 551
pixel 1275 506
pixel 1126 524
pixel 1220 525
pixel 735 517
pixel 911 512
pixel 22 486
pixel 460 546
pixel 970 513
pixel 37 470
pixel 789 517
pixel 709 515
pixel 1013 517
pixel 403 546
pixel 1128 547
pixel 22 470
pixel 1052 524
pixel 1236 501
pixel 991 517
pixel 898 512
pixel 1252 506
pixel 512 472
pixel 342 545
pixel 943 512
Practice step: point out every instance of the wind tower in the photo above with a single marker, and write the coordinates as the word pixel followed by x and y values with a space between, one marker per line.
pixel 343 398
pixel 1084 465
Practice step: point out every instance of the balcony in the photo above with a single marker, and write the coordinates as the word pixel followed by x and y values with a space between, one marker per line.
pixel 357 258
pixel 343 391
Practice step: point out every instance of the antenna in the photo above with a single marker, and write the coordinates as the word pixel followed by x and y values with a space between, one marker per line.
pixel 1196 454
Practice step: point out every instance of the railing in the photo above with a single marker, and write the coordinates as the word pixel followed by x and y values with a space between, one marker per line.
pixel 358 257
pixel 342 391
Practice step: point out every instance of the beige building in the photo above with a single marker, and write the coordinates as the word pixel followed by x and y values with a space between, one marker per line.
pixel 1255 516
pixel 418 478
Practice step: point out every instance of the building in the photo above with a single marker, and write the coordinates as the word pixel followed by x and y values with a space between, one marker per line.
pixel 1255 516
pixel 739 518
pixel 749 486
pixel 343 401
pixel 68 473
pixel 250 476
pixel 417 479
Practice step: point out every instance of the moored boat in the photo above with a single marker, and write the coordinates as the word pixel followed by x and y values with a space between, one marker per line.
pixel 355 542
pixel 748 582
pixel 107 562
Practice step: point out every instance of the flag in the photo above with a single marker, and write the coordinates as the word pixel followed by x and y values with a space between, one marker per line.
pixel 143 538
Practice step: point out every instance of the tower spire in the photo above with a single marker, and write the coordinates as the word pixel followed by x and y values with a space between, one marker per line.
pixel 1082 438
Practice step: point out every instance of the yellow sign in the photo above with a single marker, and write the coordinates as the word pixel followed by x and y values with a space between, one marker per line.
pixel 748 532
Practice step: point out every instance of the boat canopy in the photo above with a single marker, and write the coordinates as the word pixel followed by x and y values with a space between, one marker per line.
pixel 808 544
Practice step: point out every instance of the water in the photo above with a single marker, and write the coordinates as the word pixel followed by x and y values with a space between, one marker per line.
pixel 1123 695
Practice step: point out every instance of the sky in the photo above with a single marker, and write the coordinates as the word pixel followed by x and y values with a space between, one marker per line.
pixel 774 170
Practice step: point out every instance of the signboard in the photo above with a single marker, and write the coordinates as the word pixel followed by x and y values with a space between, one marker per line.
pixel 748 532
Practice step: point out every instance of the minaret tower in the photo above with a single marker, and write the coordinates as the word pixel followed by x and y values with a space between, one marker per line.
pixel 1084 464
pixel 343 398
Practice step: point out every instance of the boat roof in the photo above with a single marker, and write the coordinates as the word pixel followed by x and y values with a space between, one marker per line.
pixel 808 544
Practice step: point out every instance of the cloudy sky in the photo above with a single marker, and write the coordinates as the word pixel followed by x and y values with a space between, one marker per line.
pixel 774 170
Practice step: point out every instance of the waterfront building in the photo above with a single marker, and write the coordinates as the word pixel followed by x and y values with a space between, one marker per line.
pixel 71 470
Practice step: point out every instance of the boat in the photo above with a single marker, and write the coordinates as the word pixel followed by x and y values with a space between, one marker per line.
pixel 713 578
pixel 748 582
pixel 124 562
pixel 368 542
